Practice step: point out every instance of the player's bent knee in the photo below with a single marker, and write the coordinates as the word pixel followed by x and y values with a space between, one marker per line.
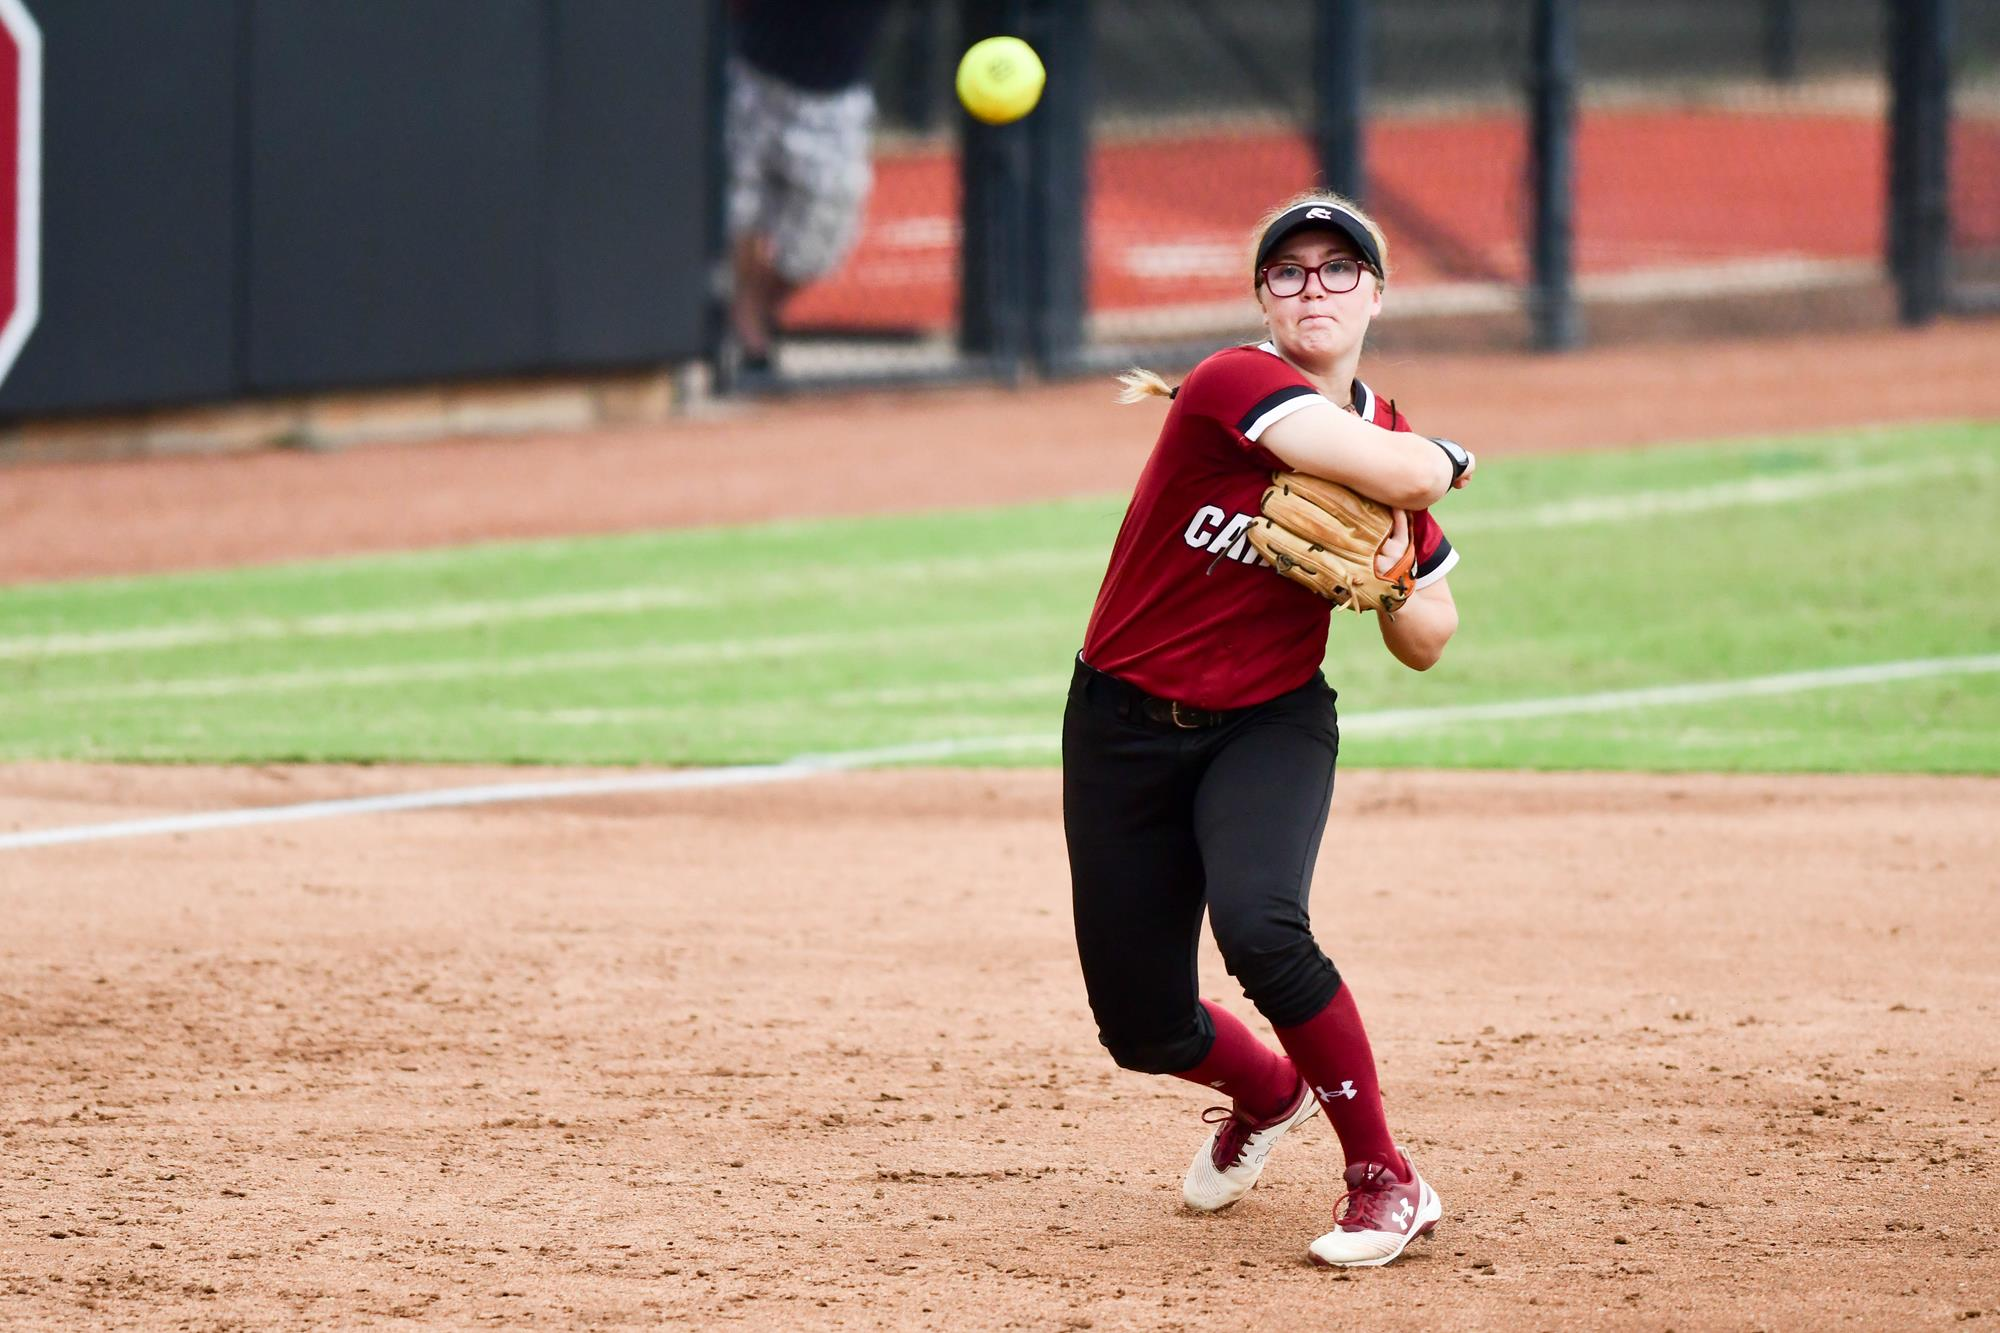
pixel 1158 1055
pixel 1288 984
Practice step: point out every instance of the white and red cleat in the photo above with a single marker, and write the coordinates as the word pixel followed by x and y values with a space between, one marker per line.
pixel 1386 1208
pixel 1232 1159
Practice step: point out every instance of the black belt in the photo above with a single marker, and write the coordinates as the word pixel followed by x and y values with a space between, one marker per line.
pixel 1133 702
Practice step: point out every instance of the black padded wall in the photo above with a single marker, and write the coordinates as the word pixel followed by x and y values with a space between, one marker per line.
pixel 245 196
pixel 396 197
pixel 139 125
pixel 628 182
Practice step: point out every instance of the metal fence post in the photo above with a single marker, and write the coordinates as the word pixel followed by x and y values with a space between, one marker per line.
pixel 1781 40
pixel 1919 154
pixel 994 174
pixel 1552 167
pixel 1340 93
pixel 722 369
pixel 1059 163
pixel 914 99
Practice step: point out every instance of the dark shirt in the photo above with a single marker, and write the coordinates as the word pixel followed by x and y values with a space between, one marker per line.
pixel 821 46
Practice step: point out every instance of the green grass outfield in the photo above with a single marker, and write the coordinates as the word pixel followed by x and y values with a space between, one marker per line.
pixel 1583 576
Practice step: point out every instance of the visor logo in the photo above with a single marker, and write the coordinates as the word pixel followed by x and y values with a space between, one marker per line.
pixel 1320 213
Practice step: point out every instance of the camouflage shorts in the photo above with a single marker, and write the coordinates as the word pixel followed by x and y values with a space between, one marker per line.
pixel 799 169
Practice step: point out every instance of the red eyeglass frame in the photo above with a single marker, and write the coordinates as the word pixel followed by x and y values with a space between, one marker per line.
pixel 1360 266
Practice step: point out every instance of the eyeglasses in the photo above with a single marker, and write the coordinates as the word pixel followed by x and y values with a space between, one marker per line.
pixel 1336 276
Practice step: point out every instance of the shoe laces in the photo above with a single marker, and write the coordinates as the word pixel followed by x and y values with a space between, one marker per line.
pixel 1232 1138
pixel 1366 1200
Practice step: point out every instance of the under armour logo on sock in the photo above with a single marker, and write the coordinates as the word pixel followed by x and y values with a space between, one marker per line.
pixel 1346 1090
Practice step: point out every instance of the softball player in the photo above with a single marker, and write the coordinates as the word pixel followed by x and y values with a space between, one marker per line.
pixel 1200 737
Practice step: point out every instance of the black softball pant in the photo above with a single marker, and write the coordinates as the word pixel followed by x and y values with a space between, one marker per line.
pixel 1163 820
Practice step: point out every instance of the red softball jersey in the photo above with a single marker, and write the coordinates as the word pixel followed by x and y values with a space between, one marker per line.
pixel 1189 610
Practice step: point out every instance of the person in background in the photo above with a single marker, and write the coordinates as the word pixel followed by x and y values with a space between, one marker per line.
pixel 796 132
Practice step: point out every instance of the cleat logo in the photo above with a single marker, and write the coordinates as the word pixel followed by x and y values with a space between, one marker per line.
pixel 1405 1214
pixel 1346 1090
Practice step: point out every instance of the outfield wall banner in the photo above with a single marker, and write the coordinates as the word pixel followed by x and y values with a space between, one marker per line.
pixel 20 178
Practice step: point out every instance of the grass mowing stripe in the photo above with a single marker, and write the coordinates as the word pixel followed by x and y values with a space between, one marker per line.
pixel 483 614
pixel 1750 492
pixel 646 599
pixel 1377 722
pixel 650 655
pixel 1028 687
pixel 458 615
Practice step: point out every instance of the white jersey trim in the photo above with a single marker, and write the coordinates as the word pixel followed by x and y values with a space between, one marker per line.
pixel 1450 559
pixel 1364 397
pixel 1274 415
pixel 1364 401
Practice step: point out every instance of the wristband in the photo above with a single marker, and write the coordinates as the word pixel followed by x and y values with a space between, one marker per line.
pixel 1460 456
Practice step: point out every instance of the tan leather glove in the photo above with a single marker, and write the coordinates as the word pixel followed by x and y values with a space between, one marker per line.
pixel 1321 534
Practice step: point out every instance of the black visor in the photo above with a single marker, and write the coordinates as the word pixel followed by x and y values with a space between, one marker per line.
pixel 1318 214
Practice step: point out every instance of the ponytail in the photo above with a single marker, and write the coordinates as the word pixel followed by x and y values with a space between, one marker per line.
pixel 1141 384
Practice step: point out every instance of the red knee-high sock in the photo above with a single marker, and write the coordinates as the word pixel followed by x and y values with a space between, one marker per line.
pixel 1331 1050
pixel 1259 1080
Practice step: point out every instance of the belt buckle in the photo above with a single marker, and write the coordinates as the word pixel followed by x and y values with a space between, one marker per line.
pixel 1174 712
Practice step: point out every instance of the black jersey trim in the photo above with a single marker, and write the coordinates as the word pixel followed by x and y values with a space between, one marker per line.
pixel 1274 407
pixel 1440 563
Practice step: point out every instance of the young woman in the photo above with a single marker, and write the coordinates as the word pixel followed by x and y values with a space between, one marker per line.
pixel 1200 737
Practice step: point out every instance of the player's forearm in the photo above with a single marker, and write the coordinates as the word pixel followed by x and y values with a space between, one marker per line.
pixel 1418 633
pixel 1401 469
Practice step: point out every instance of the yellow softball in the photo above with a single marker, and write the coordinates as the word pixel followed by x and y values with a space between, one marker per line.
pixel 1000 79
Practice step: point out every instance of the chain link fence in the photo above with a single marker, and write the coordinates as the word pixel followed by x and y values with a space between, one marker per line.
pixel 1728 168
pixel 1727 171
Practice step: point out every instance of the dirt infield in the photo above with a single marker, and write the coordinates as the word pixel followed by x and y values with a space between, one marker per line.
pixel 1683 1051
pixel 1677 1052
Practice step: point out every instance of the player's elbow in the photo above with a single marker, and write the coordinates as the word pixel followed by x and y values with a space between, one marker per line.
pixel 1420 657
pixel 1418 636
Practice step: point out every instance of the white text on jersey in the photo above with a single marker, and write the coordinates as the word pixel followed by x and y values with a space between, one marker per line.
pixel 1207 531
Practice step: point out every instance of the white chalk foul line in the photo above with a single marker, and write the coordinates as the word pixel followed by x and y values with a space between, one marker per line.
pixel 1791 682
pixel 1750 492
pixel 703 779
pixel 457 797
pixel 808 766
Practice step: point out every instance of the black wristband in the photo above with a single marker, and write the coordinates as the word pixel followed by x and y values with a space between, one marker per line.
pixel 1460 456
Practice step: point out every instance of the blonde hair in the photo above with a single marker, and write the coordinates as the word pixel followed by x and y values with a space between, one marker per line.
pixel 1339 201
pixel 1138 384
